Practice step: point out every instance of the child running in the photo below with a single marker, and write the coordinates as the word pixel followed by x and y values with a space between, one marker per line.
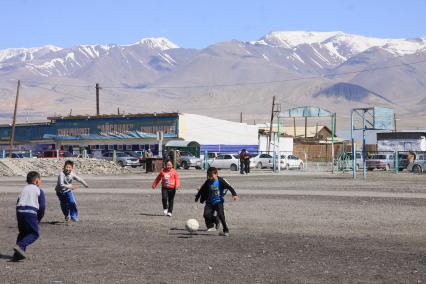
pixel 64 189
pixel 29 212
pixel 212 192
pixel 169 183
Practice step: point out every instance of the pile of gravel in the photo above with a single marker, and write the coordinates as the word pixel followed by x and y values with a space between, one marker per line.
pixel 5 170
pixel 51 167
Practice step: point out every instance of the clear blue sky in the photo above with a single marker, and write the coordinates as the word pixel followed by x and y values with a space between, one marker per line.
pixel 198 23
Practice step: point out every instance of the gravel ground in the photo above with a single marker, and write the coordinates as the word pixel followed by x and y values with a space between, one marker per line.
pixel 295 227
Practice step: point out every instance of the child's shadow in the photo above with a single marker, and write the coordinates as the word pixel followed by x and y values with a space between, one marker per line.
pixel 184 234
pixel 52 222
pixel 151 215
pixel 9 258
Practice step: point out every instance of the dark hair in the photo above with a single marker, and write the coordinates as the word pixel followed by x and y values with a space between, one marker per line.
pixel 32 176
pixel 69 162
pixel 211 170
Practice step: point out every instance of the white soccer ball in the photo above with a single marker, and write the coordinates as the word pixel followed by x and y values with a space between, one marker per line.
pixel 192 225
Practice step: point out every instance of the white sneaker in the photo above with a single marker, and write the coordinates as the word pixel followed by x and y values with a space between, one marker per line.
pixel 165 211
pixel 169 214
pixel 212 229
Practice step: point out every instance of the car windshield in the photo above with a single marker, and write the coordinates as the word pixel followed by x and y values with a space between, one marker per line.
pixel 121 154
pixel 236 156
pixel 378 157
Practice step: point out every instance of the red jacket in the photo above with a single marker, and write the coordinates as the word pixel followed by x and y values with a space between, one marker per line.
pixel 169 179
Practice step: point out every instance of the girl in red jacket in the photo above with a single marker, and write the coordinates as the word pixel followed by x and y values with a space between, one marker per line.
pixel 169 183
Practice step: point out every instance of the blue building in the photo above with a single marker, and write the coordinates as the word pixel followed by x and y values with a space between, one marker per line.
pixel 130 132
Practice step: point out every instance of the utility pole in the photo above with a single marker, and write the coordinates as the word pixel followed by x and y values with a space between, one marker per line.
pixel 272 120
pixel 294 128
pixel 277 155
pixel 241 117
pixel 97 98
pixel 394 122
pixel 335 122
pixel 12 135
pixel 306 126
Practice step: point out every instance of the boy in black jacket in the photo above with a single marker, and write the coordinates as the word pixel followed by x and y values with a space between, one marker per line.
pixel 212 192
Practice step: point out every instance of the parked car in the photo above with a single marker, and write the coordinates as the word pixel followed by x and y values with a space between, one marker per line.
pixel 291 162
pixel 380 161
pixel 123 159
pixel 27 154
pixel 419 164
pixel 188 160
pixel 225 161
pixel 53 154
pixel 138 155
pixel 262 161
pixel 14 155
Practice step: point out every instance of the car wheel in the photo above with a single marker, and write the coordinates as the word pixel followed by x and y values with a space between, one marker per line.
pixel 234 167
pixel 134 166
pixel 120 163
pixel 259 165
pixel 287 167
pixel 185 165
pixel 370 169
pixel 198 168
pixel 387 167
pixel 417 169
pixel 300 166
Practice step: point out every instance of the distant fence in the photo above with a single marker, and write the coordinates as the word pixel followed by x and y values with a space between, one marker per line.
pixel 323 152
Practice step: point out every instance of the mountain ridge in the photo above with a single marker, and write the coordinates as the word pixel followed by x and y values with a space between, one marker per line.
pixel 155 74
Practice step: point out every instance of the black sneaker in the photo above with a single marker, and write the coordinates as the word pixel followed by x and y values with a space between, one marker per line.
pixel 19 254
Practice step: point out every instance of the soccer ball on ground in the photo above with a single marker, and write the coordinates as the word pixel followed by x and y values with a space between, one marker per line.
pixel 192 225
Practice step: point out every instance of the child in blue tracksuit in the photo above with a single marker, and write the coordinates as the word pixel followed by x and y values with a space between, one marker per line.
pixel 29 212
pixel 212 192
pixel 64 189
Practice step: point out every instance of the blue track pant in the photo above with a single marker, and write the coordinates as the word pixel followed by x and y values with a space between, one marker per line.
pixel 68 205
pixel 28 229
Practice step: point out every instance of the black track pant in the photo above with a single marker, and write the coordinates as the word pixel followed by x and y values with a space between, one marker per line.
pixel 247 166
pixel 168 196
pixel 209 217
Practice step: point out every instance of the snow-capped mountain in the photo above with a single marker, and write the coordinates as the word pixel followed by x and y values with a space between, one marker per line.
pixel 147 55
pixel 334 70
pixel 337 47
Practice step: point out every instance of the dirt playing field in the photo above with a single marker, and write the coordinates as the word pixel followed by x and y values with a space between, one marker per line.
pixel 295 227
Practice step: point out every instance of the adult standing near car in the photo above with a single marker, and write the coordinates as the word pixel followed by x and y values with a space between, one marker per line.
pixel 411 157
pixel 242 159
pixel 148 153
pixel 247 162
pixel 178 158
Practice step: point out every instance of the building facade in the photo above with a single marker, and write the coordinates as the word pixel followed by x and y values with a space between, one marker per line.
pixel 128 132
